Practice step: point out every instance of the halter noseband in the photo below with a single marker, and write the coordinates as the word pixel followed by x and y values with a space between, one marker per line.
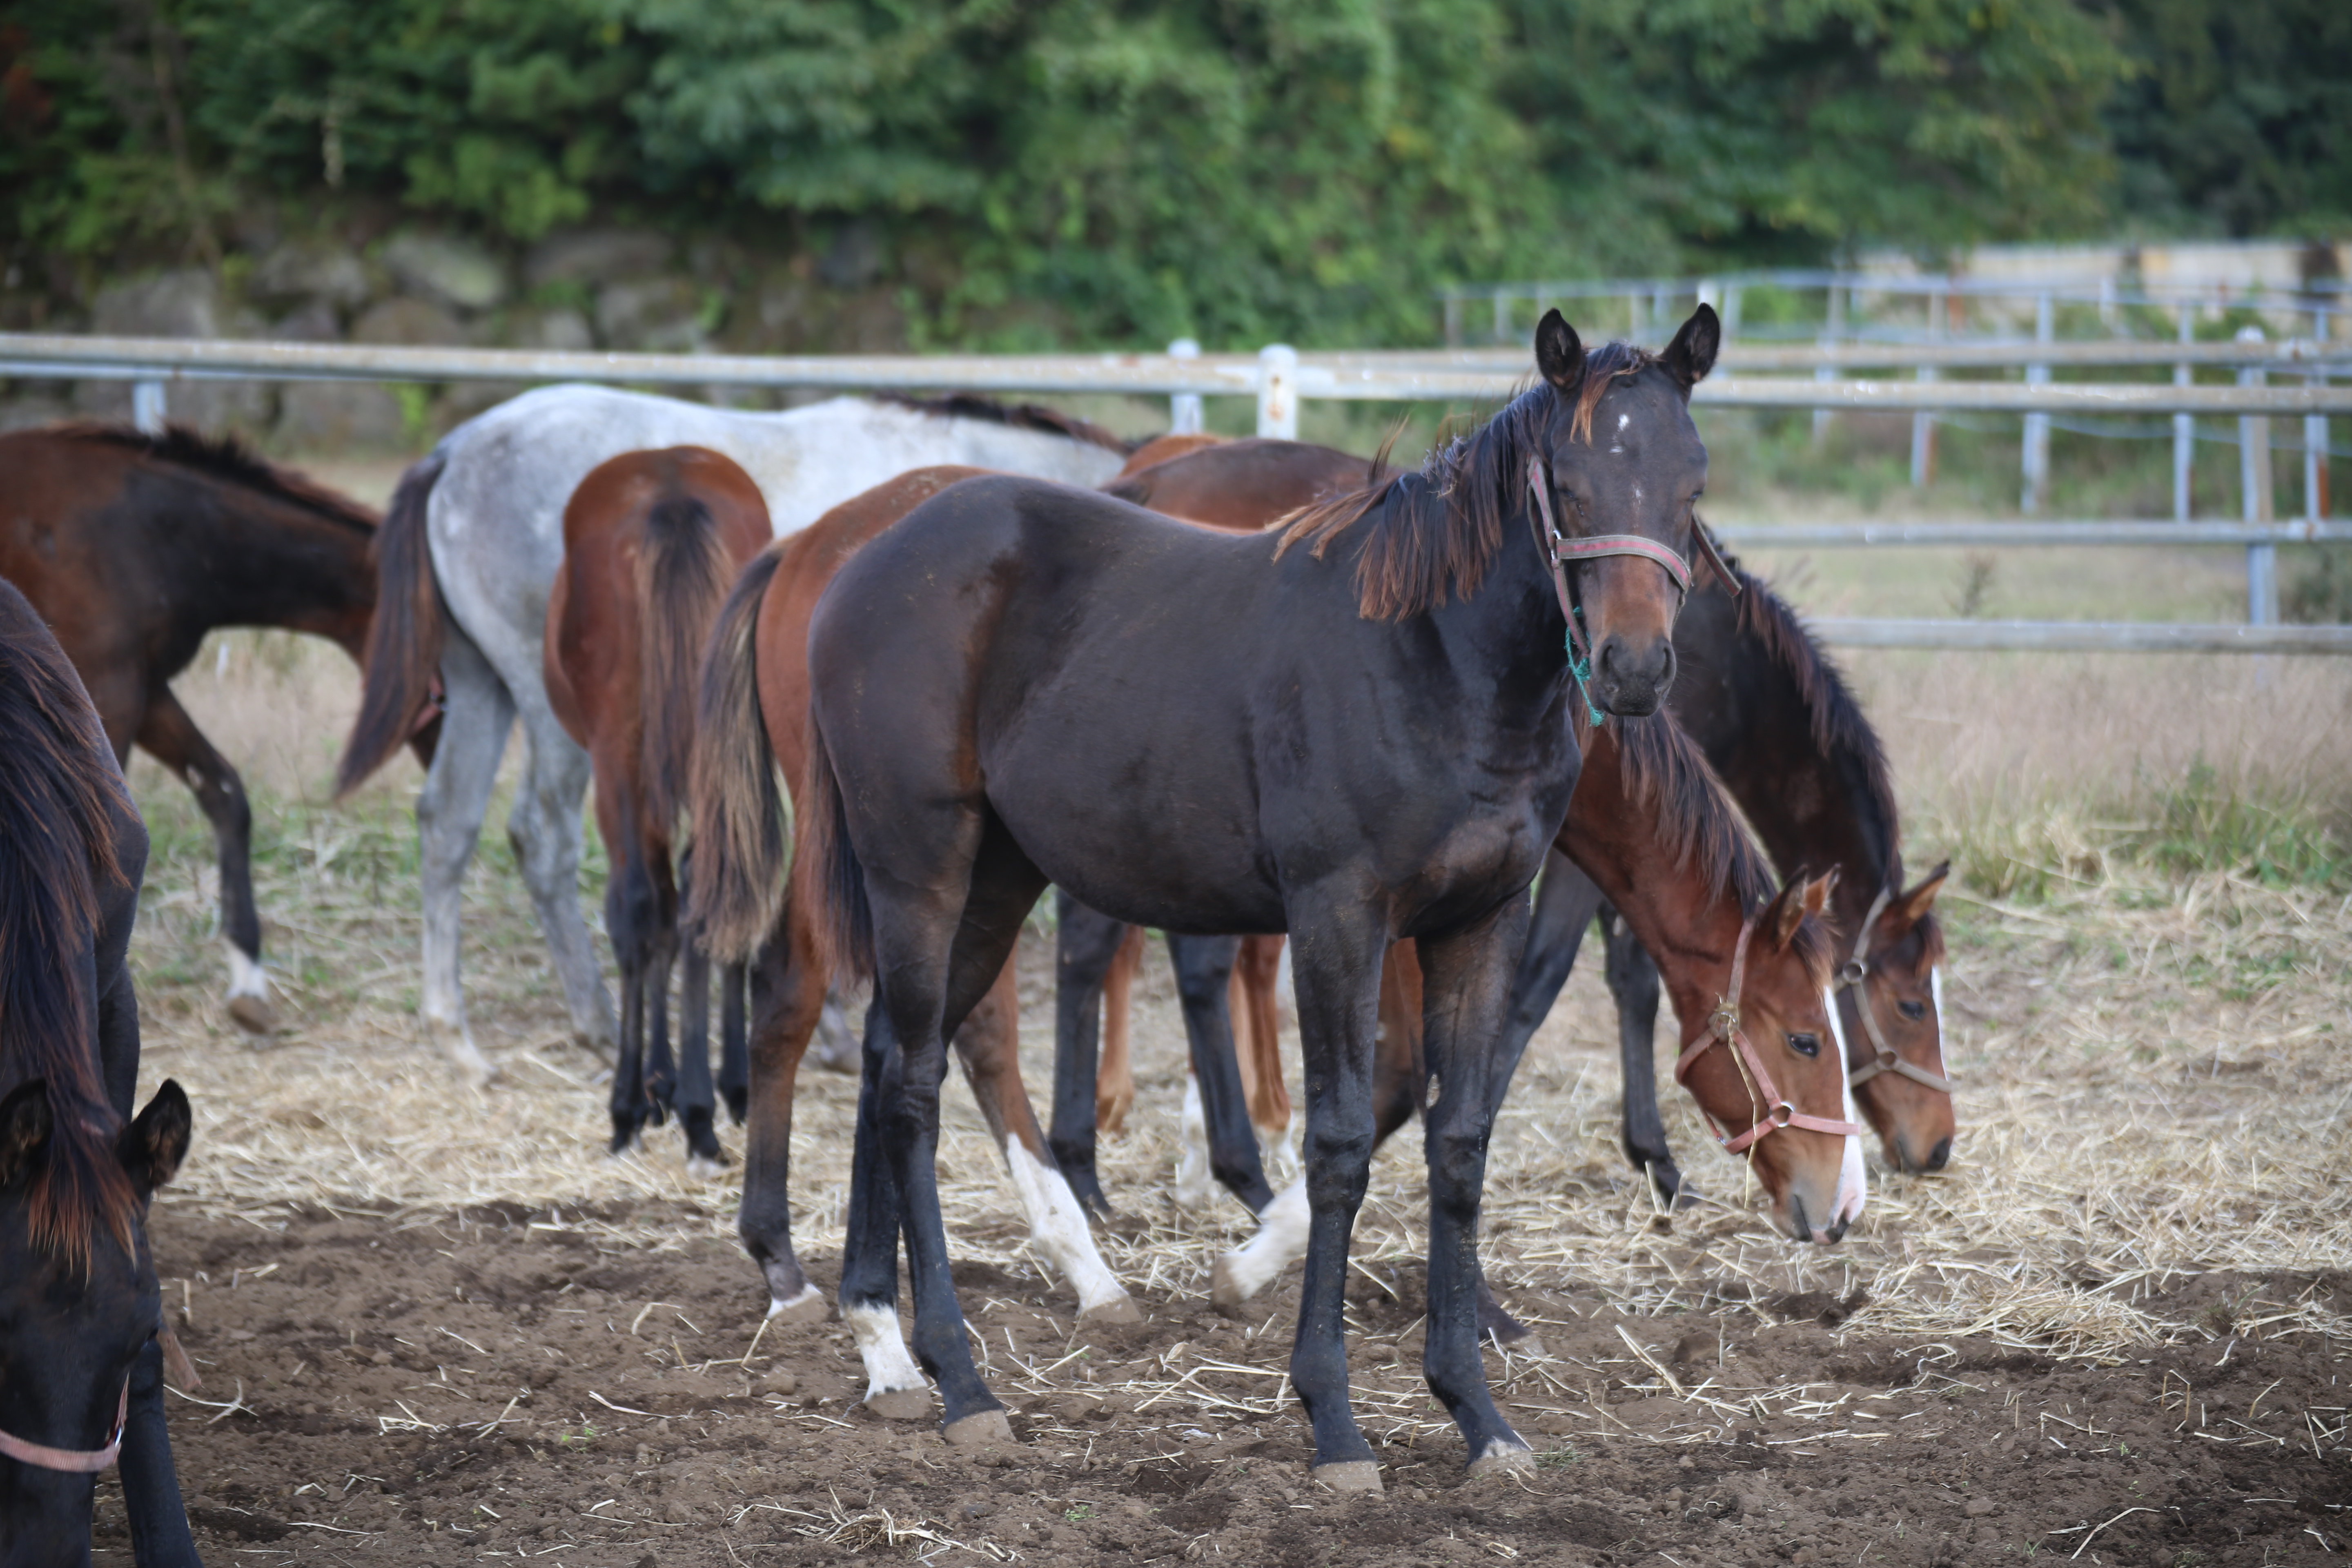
pixel 1850 974
pixel 1725 1026
pixel 77 1461
pixel 1560 549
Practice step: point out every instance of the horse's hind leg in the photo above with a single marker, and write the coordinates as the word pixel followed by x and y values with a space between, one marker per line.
pixel 1086 944
pixel 172 738
pixel 544 829
pixel 1257 1046
pixel 1205 968
pixel 787 989
pixel 697 1104
pixel 1566 901
pixel 989 1047
pixel 734 1062
pixel 1633 981
pixel 450 813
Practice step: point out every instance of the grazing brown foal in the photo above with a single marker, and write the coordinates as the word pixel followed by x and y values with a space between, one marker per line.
pixel 651 540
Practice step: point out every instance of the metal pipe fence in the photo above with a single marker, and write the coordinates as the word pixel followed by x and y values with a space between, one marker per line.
pixel 1279 379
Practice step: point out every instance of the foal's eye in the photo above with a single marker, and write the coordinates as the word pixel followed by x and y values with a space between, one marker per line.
pixel 1915 1011
pixel 1805 1044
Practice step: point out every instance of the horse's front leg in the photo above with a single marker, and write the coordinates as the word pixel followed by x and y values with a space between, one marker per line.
pixel 172 738
pixel 1338 939
pixel 1466 977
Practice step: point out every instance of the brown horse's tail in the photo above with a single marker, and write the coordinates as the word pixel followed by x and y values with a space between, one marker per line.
pixel 683 569
pixel 403 646
pixel 827 882
pixel 739 812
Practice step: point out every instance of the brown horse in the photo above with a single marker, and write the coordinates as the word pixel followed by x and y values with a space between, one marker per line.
pixel 651 540
pixel 134 547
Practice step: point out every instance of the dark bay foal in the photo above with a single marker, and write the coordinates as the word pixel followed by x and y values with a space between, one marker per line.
pixel 1368 736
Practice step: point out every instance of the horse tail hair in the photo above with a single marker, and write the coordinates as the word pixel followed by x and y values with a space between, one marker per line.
pixel 61 797
pixel 404 637
pixel 683 569
pixel 827 880
pixel 740 815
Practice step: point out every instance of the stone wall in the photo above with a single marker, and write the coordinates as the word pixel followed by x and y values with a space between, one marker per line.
pixel 622 288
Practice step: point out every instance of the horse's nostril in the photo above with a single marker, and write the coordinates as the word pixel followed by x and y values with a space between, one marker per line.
pixel 1940 1155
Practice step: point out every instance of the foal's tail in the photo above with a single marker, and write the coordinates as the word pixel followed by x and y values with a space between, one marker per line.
pixel 740 815
pixel 403 646
pixel 827 882
pixel 683 569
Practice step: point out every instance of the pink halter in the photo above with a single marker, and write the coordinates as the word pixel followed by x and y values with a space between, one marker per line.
pixel 79 1461
pixel 1725 1026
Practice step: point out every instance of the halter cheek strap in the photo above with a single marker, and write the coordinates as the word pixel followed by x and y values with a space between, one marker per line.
pixel 75 1461
pixel 1850 974
pixel 1774 1112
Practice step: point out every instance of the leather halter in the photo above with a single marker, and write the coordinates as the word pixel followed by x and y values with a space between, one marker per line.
pixel 1725 1026
pixel 77 1461
pixel 1850 975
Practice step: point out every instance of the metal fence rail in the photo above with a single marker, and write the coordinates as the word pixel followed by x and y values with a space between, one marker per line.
pixel 1279 379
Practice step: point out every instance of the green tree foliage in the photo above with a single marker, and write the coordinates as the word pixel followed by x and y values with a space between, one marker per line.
pixel 1116 169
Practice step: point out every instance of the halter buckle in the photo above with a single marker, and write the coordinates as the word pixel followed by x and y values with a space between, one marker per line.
pixel 1781 1114
pixel 1852 972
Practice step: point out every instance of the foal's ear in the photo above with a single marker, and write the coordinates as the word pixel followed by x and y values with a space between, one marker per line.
pixel 1801 897
pixel 24 1130
pixel 1692 354
pixel 152 1147
pixel 1916 903
pixel 1559 352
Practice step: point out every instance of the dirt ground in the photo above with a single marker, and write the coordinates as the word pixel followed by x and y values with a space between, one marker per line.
pixel 435 1325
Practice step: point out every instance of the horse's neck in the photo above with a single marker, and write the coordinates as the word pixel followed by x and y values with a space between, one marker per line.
pixel 265 561
pixel 1618 838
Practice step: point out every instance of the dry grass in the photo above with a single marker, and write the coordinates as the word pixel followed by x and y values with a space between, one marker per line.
pixel 2154 1068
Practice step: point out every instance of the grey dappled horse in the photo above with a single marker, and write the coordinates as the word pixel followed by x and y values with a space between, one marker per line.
pixel 467 556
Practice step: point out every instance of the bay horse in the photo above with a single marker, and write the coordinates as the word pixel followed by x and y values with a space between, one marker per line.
pixel 751 727
pixel 81 1315
pixel 133 548
pixel 1361 729
pixel 468 553
pixel 652 541
pixel 1748 968
pixel 1779 723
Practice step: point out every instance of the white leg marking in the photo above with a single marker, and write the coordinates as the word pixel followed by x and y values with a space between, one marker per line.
pixel 1853 1175
pixel 1194 1186
pixel 888 1368
pixel 247 978
pixel 1281 1240
pixel 777 1304
pixel 1278 1152
pixel 1057 1229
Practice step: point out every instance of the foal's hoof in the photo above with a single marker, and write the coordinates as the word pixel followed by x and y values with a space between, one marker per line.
pixel 254 1014
pixel 1120 1308
pixel 806 1305
pixel 978 1430
pixel 901 1404
pixel 1227 1292
pixel 1349 1476
pixel 1503 1459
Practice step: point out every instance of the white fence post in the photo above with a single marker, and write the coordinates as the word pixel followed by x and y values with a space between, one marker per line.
pixel 2315 438
pixel 148 407
pixel 2184 426
pixel 2254 487
pixel 1184 417
pixel 1453 321
pixel 2036 456
pixel 1278 392
pixel 1922 424
pixel 1834 330
pixel 1502 316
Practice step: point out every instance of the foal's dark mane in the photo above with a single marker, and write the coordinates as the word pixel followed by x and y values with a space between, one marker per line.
pixel 1019 416
pixel 227 458
pixel 1664 767
pixel 59 798
pixel 1440 529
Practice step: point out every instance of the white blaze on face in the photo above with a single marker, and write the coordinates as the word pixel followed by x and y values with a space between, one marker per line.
pixel 888 1368
pixel 1936 993
pixel 1853 1175
pixel 1057 1229
pixel 1281 1240
pixel 247 978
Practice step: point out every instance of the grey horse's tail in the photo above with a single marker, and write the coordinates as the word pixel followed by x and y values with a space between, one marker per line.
pixel 738 812
pixel 683 569
pixel 403 646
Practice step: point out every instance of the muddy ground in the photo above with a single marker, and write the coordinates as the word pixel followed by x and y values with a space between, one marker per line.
pixel 501 1384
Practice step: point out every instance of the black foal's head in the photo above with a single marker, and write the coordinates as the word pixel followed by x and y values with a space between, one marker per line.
pixel 78 1299
pixel 1625 458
